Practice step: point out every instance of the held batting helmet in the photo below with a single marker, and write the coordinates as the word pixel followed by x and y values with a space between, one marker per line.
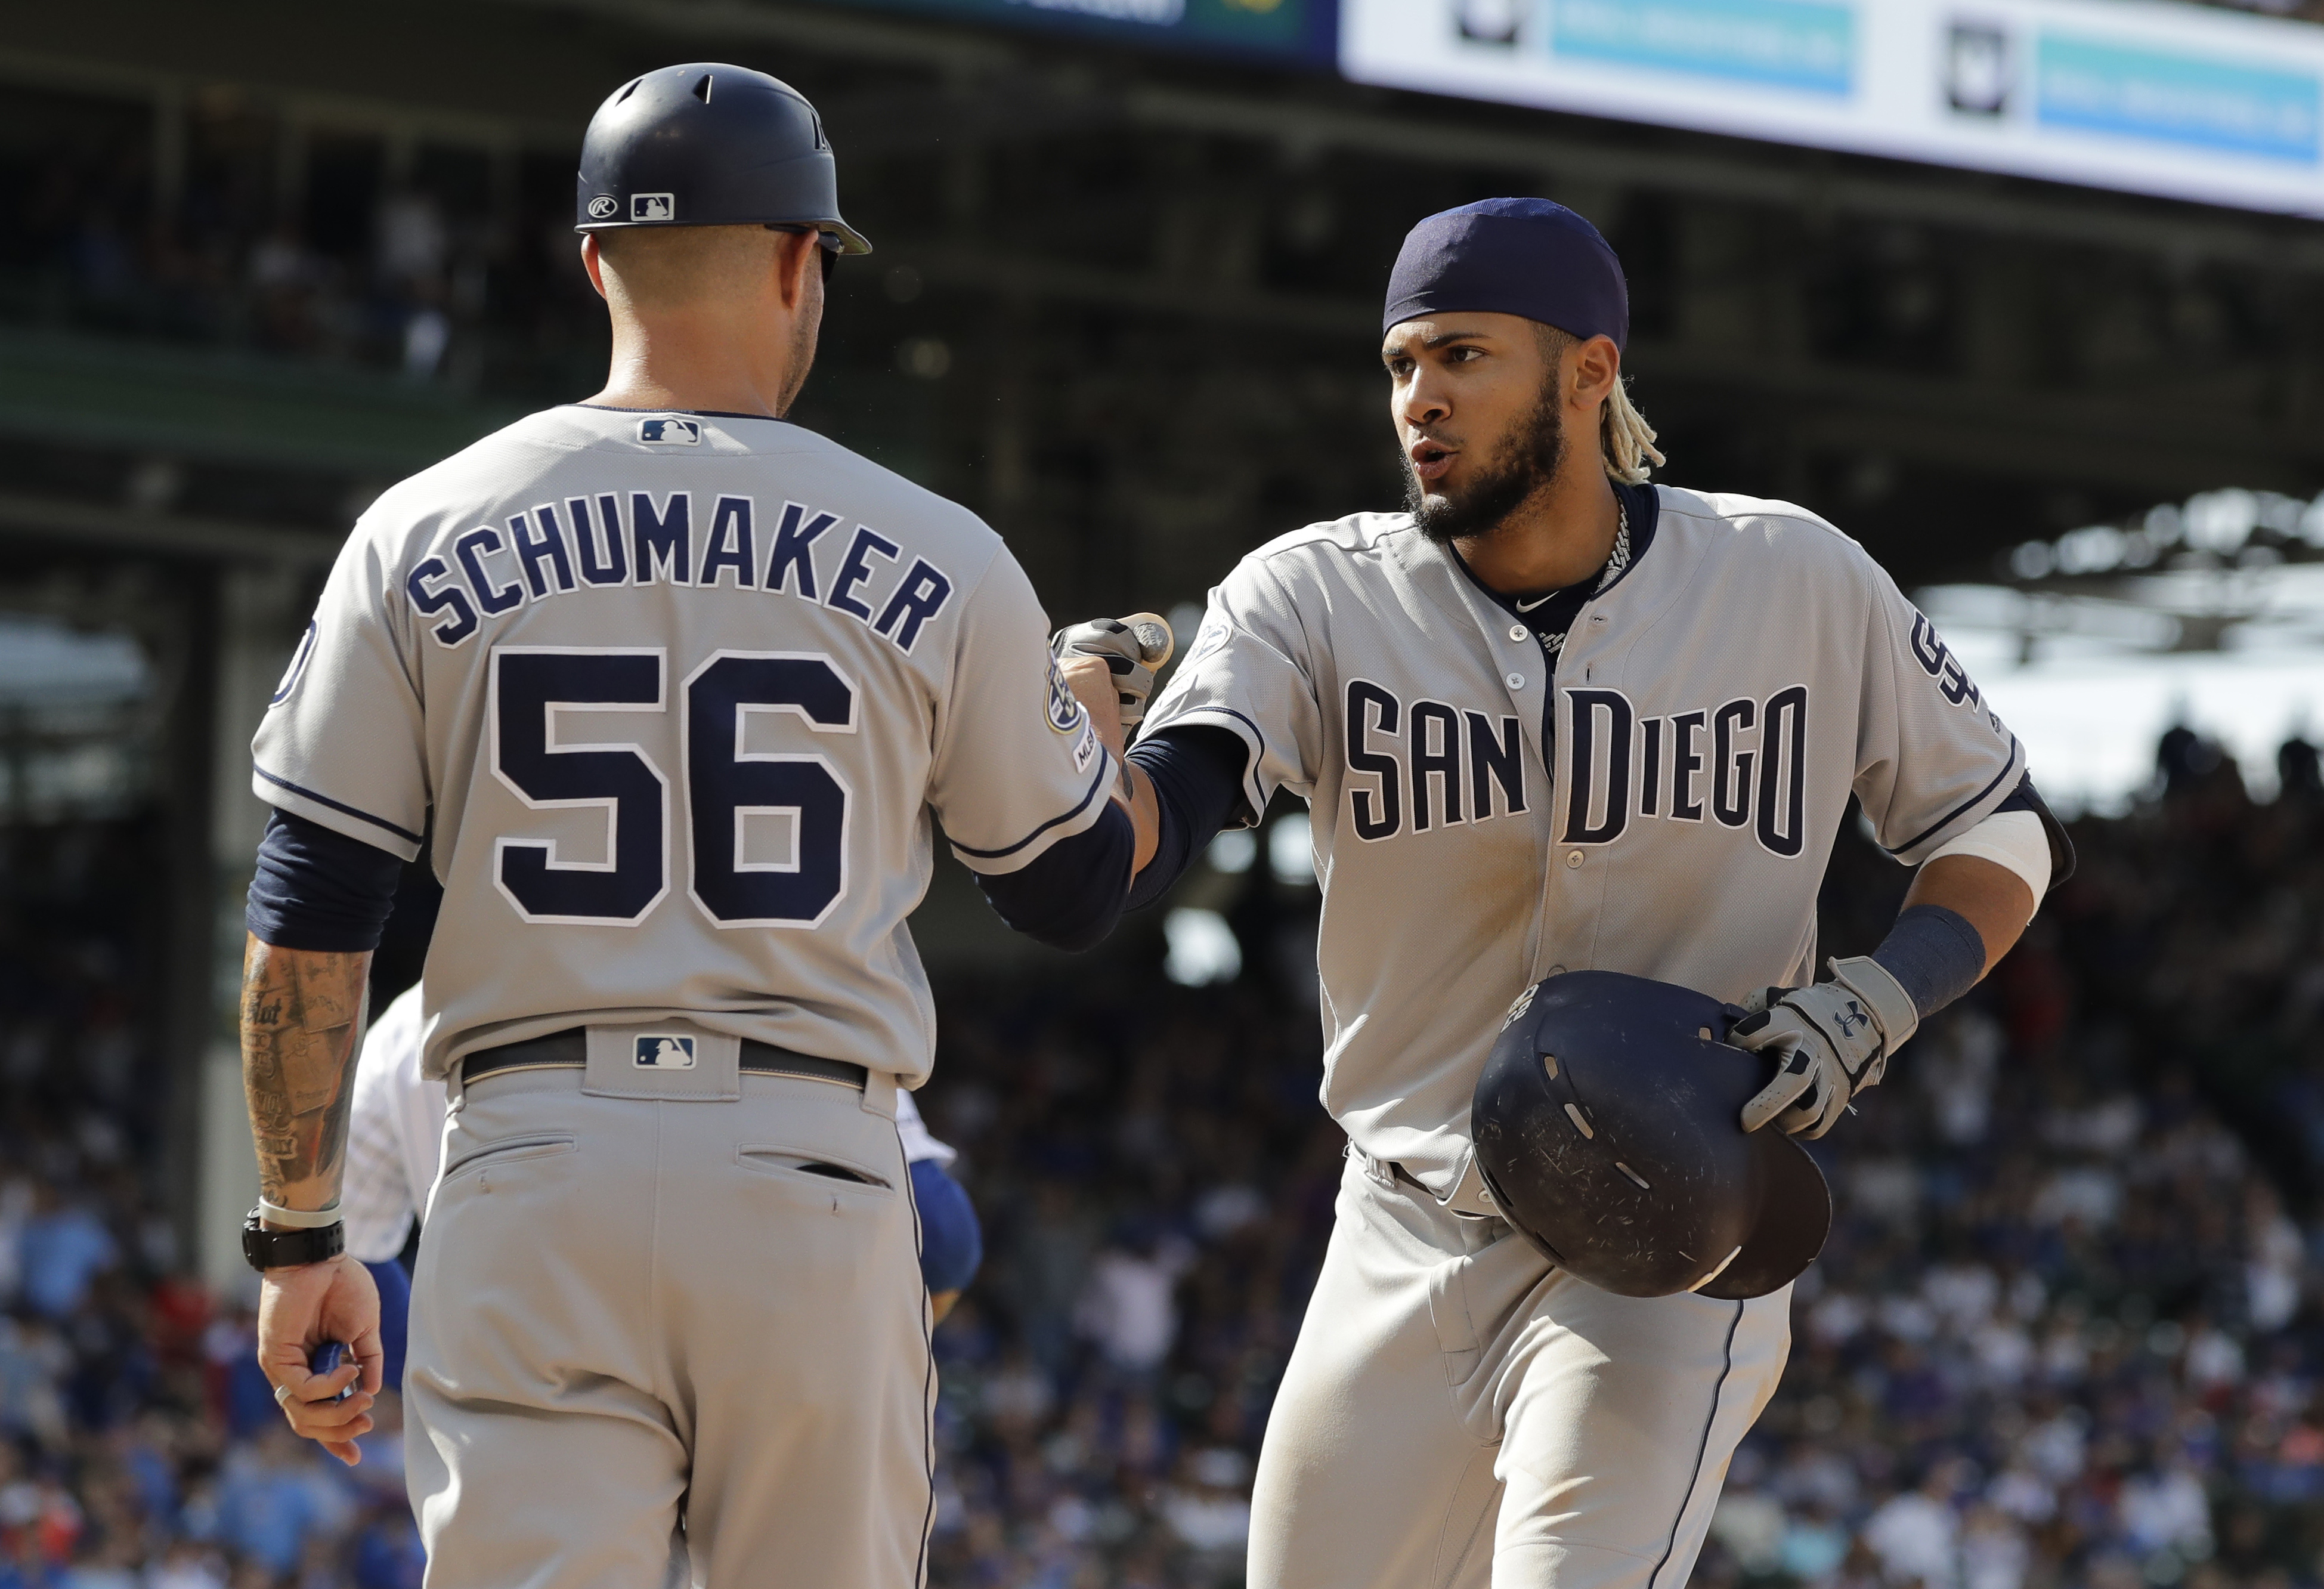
pixel 1608 1132
pixel 710 145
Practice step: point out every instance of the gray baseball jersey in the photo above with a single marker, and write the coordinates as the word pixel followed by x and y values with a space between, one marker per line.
pixel 679 694
pixel 1670 815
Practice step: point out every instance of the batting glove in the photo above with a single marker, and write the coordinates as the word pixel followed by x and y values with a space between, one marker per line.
pixel 1134 649
pixel 1833 1038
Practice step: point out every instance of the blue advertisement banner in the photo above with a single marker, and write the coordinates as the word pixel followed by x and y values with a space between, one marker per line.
pixel 2102 87
pixel 1289 31
pixel 1786 44
pixel 2206 103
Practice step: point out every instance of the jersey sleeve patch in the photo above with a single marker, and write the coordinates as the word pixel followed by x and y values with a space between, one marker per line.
pixel 298 667
pixel 1065 713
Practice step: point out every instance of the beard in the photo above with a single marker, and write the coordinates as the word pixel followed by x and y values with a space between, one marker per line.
pixel 1526 461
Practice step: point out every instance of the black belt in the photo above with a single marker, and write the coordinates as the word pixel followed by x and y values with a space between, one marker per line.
pixel 569 1049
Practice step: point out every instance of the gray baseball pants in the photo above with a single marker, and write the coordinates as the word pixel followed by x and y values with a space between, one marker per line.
pixel 648 1348
pixel 1457 1413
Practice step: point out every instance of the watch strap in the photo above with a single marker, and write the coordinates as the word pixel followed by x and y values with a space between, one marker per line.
pixel 264 1249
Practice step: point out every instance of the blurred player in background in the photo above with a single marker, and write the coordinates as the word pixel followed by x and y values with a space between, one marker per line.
pixel 395 1148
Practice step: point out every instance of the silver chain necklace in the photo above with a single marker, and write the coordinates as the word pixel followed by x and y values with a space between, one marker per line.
pixel 1616 561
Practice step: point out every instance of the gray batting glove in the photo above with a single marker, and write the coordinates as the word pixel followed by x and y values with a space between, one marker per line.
pixel 1834 1039
pixel 1134 649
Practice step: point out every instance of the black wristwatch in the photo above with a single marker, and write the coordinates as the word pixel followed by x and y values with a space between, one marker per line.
pixel 264 1249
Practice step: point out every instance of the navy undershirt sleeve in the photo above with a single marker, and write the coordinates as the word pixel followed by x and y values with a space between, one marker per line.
pixel 1197 775
pixel 1070 895
pixel 1935 953
pixel 316 889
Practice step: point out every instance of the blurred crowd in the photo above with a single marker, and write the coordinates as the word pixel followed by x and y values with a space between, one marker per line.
pixel 2066 1331
pixel 448 264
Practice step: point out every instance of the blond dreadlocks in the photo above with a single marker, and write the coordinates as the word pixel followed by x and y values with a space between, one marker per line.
pixel 1625 440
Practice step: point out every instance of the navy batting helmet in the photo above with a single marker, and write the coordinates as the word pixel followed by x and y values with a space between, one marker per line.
pixel 710 145
pixel 1607 1130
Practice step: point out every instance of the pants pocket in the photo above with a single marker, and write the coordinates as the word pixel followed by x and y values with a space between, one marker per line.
pixel 507 1151
pixel 1456 1330
pixel 820 1165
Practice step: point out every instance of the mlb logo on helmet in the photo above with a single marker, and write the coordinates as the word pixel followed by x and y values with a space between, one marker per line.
pixel 663 1050
pixel 653 207
pixel 670 432
pixel 602 206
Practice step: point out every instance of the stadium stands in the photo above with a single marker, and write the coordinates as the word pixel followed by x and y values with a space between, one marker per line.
pixel 2066 1331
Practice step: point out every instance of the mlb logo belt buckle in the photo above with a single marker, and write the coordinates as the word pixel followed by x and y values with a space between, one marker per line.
pixel 662 1050
pixel 667 1058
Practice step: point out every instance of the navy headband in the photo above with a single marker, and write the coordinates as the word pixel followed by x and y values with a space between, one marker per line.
pixel 1514 257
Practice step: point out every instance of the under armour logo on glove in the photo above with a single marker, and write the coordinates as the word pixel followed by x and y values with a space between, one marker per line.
pixel 1134 648
pixel 1832 1040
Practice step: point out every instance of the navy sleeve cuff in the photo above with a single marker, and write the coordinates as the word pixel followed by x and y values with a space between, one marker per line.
pixel 1070 895
pixel 1197 777
pixel 317 889
pixel 1935 955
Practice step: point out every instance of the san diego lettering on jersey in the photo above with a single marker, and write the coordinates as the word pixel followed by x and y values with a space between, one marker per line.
pixel 1738 762
pixel 1431 765
pixel 633 538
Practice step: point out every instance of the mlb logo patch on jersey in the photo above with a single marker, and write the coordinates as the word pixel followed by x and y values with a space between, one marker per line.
pixel 667 432
pixel 653 207
pixel 663 1050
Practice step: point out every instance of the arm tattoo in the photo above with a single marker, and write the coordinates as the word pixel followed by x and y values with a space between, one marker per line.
pixel 302 1017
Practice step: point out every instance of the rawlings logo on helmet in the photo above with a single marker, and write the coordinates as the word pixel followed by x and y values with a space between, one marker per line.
pixel 602 206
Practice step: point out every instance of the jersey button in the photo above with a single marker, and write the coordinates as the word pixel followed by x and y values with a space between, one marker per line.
pixel 1516 632
pixel 1516 681
pixel 1572 858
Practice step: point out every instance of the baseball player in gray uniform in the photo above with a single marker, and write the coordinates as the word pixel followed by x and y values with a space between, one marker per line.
pixel 1550 719
pixel 674 690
